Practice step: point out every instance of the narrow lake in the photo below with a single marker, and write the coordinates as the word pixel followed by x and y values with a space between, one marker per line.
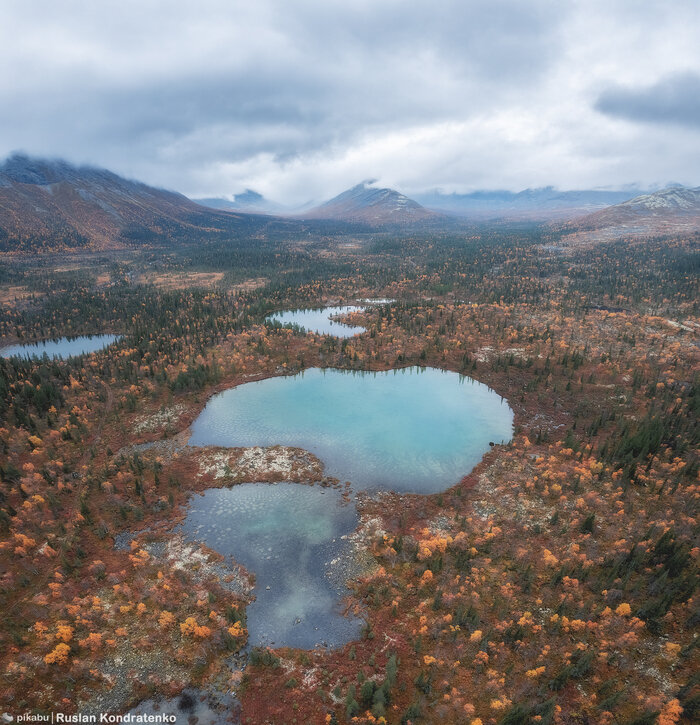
pixel 62 348
pixel 416 430
pixel 319 320
pixel 289 536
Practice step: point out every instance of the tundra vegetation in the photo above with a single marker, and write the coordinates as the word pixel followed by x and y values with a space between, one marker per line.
pixel 556 583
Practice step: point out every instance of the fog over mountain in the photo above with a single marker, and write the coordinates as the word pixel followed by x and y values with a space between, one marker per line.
pixel 366 201
pixel 247 201
pixel 51 204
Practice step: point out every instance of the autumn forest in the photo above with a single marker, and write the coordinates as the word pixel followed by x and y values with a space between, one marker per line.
pixel 556 582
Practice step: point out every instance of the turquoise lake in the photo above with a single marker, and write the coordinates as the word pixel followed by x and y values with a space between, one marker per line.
pixel 416 430
pixel 62 348
pixel 289 536
pixel 319 320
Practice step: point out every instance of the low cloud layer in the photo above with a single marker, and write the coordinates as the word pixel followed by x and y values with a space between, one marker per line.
pixel 301 100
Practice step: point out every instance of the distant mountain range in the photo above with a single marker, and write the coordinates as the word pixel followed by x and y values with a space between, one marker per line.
pixel 544 203
pixel 381 206
pixel 53 205
pixel 373 206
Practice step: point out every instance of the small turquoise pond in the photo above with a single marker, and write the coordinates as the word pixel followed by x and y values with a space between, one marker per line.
pixel 289 536
pixel 319 320
pixel 61 348
pixel 417 430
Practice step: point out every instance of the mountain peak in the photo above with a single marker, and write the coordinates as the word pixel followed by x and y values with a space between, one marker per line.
pixel 372 205
pixel 676 208
pixel 249 196
pixel 52 204
pixel 675 197
pixel 249 201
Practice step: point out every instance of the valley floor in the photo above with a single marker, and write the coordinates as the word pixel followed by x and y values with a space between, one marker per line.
pixel 555 583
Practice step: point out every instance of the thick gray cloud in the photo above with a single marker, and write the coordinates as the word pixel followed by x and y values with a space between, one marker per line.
pixel 300 99
pixel 674 99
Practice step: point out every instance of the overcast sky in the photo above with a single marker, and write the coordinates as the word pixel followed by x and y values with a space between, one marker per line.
pixel 300 99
